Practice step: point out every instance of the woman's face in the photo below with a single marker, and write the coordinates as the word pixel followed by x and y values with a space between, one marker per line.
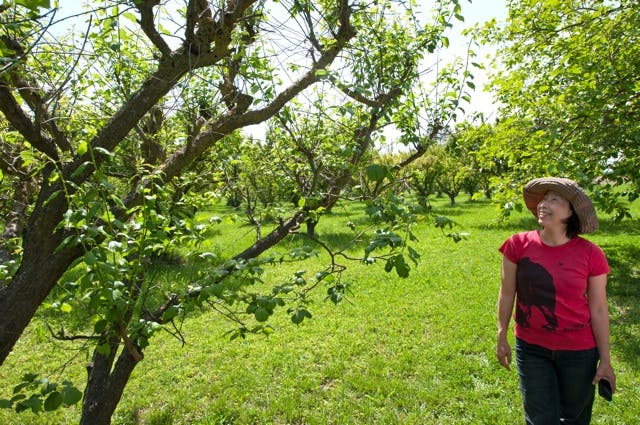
pixel 553 210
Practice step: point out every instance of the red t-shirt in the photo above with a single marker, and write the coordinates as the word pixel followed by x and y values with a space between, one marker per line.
pixel 552 308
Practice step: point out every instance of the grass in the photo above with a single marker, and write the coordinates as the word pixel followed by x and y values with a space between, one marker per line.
pixel 401 351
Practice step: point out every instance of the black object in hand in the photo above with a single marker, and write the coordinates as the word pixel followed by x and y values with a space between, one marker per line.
pixel 604 389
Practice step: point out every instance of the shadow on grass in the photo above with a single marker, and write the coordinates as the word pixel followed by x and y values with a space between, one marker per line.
pixel 619 227
pixel 624 294
pixel 335 240
pixel 461 207
pixel 515 225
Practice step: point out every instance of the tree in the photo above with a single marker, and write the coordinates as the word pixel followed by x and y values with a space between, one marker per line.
pixel 450 181
pixel 467 143
pixel 425 173
pixel 101 145
pixel 568 86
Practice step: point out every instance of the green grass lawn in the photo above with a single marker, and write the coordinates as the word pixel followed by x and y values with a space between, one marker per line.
pixel 400 351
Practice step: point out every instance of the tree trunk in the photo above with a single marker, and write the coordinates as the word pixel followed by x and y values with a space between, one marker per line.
pixel 311 227
pixel 40 267
pixel 39 270
pixel 105 387
pixel 28 289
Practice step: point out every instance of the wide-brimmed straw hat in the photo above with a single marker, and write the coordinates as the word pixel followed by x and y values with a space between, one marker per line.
pixel 535 190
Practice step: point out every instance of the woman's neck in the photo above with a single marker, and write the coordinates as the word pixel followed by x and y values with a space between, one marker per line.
pixel 554 237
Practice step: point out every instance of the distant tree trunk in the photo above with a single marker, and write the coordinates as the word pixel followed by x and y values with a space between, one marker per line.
pixel 256 223
pixel 311 227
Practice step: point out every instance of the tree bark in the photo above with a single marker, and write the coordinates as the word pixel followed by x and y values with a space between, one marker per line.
pixel 311 227
pixel 39 270
pixel 105 386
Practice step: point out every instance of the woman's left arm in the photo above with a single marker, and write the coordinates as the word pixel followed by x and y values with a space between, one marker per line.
pixel 597 293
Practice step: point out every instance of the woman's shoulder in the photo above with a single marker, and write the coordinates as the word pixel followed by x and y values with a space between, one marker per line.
pixel 587 244
pixel 523 239
pixel 529 235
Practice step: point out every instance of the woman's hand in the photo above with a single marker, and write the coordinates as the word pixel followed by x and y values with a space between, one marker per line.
pixel 605 371
pixel 503 352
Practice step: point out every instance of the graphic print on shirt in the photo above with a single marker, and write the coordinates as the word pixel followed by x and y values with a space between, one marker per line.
pixel 535 289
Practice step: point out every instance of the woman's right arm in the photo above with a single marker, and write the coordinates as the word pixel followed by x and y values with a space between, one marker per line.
pixel 506 299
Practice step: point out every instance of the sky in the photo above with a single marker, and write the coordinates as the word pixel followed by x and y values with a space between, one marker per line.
pixel 478 11
pixel 483 10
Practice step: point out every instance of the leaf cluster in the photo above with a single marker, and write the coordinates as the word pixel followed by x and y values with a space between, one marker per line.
pixel 568 87
pixel 39 394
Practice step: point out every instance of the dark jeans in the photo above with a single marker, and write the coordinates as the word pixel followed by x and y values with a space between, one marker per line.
pixel 557 385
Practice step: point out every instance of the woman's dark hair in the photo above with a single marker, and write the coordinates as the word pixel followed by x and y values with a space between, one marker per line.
pixel 573 224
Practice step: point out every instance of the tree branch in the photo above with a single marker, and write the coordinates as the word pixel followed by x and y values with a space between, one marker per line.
pixel 42 115
pixel 135 353
pixel 435 129
pixel 146 23
pixel 279 233
pixel 62 336
pixel 345 33
pixel 19 119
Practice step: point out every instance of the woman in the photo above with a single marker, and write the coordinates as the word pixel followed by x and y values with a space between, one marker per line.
pixel 557 281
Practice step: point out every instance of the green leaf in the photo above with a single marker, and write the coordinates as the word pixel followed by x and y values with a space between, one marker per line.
pixel 170 313
pixel 27 157
pixel 34 403
pixel 90 259
pixel 5 404
pixel 103 151
pixel 70 394
pixel 118 201
pixel 83 147
pixel 413 254
pixel 376 173
pixel 388 266
pixel 5 51
pixel 29 377
pixel 322 73
pixel 402 268
pixel 80 169
pixel 20 387
pixel 52 196
pixel 100 326
pixel 103 349
pixel 261 314
pixel 53 401
pixel 130 16
pixel 34 4
pixel 298 317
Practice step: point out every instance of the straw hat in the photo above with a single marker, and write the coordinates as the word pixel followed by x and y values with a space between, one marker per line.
pixel 535 190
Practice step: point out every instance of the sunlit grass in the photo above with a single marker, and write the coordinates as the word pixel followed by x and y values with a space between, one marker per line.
pixel 399 351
